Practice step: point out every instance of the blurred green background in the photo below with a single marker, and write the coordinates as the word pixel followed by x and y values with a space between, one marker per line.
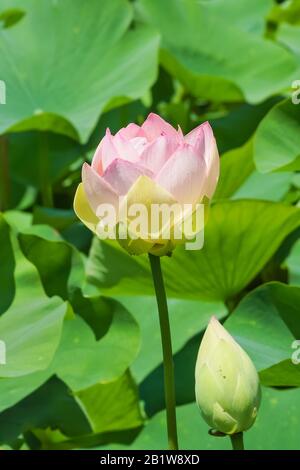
pixel 78 315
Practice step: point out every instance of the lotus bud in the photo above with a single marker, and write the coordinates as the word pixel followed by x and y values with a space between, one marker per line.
pixel 227 384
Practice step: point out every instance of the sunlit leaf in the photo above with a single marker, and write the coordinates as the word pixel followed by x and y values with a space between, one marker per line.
pixel 112 406
pixel 293 264
pixel 290 37
pixel 81 361
pixel 276 142
pixel 50 405
pixel 60 265
pixel 240 237
pixel 31 327
pixel 89 62
pixel 277 407
pixel 188 318
pixel 272 308
pixel 232 65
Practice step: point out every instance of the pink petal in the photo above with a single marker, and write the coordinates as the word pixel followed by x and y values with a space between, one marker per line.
pixel 97 190
pixel 97 159
pixel 212 160
pixel 184 175
pixel 121 175
pixel 131 131
pixel 196 136
pixel 125 149
pixel 108 150
pixel 139 144
pixel 203 141
pixel 157 153
pixel 155 126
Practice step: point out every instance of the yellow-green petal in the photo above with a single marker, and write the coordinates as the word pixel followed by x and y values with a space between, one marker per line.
pixel 83 210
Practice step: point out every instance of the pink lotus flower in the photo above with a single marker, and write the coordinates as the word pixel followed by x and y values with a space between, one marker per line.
pixel 149 163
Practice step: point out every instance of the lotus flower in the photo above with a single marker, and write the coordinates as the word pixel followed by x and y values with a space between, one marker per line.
pixel 227 384
pixel 148 164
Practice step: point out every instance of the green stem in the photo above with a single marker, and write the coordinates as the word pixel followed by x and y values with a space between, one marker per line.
pixel 167 350
pixel 237 441
pixel 45 184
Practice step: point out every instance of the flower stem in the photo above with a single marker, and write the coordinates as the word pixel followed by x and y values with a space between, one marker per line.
pixel 167 350
pixel 237 441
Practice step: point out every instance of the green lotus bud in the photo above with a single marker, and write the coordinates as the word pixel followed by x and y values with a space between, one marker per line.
pixel 227 384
